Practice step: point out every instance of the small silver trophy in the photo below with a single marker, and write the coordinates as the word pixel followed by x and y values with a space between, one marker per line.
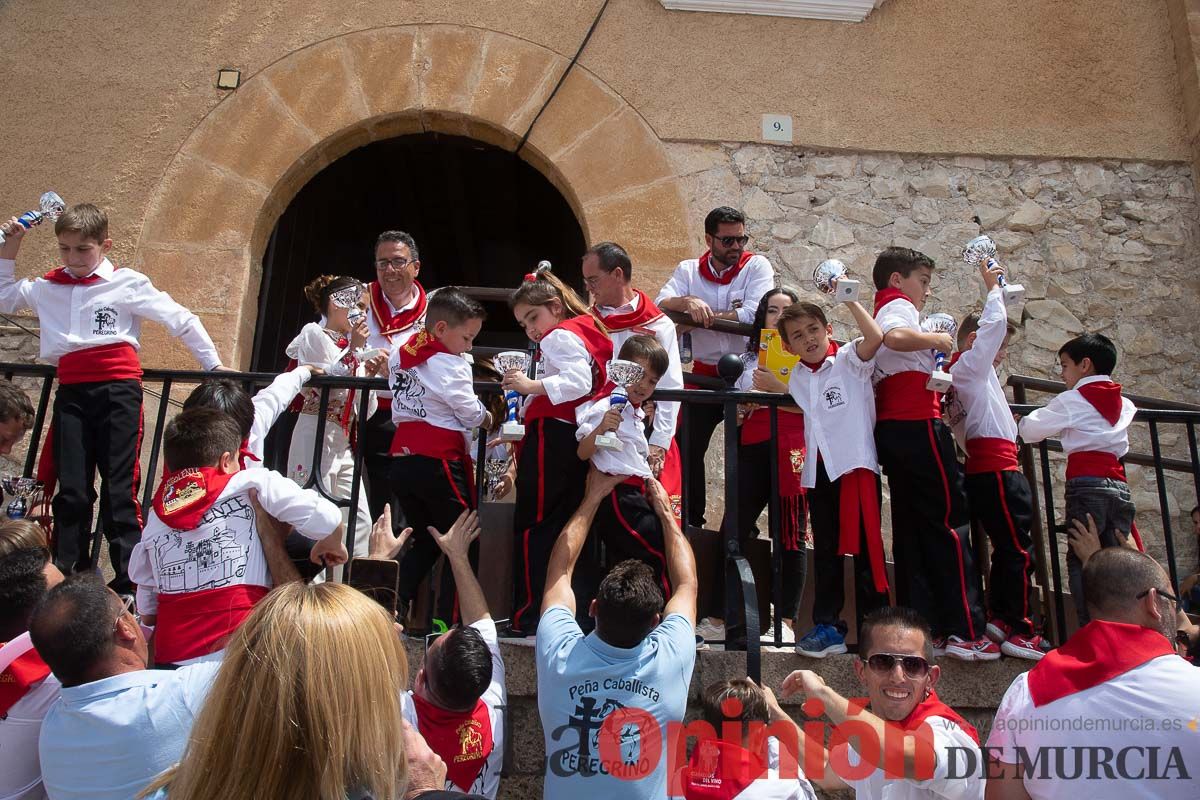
pixel 511 430
pixel 21 490
pixel 50 207
pixel 830 278
pixel 982 250
pixel 622 374
pixel 493 470
pixel 940 380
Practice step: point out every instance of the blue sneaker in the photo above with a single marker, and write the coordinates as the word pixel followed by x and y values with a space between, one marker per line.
pixel 821 641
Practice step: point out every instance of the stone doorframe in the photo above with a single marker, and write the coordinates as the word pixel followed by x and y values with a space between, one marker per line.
pixel 208 222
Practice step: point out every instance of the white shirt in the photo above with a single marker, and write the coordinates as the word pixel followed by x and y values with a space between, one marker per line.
pixel 496 699
pixel 439 391
pixel 632 458
pixel 976 407
pixel 20 769
pixel 667 414
pixel 900 313
pixel 224 549
pixel 316 346
pixel 564 366
pixel 948 782
pixel 741 294
pixel 839 414
pixel 375 339
pixel 272 401
pixel 109 311
pixel 1077 423
pixel 1150 706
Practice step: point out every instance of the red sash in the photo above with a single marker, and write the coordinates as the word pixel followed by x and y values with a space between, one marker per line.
pixel 719 770
pixel 933 707
pixel 107 362
pixel 991 454
pixel 244 454
pixel 1097 653
pixel 419 438
pixel 726 277
pixel 19 677
pixel 462 738
pixel 756 429
pixel 599 347
pixel 63 276
pixel 1094 464
pixel 184 497
pixel 1105 397
pixel 420 349
pixel 646 313
pixel 858 501
pixel 671 479
pixel 192 624
pixel 903 396
pixel 391 324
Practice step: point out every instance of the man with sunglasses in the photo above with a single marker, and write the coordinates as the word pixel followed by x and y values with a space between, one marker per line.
pixel 1120 675
pixel 725 283
pixel 896 668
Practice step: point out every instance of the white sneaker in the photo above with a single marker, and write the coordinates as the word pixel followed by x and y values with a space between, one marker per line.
pixel 981 649
pixel 787 637
pixel 710 631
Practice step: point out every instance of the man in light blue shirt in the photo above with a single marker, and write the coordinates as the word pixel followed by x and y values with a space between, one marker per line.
pixel 606 698
pixel 117 724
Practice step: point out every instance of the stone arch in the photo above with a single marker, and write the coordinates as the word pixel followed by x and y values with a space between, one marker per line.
pixel 207 224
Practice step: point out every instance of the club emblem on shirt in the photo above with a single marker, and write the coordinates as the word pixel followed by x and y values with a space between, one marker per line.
pixel 797 457
pixel 470 741
pixel 104 323
pixel 833 397
pixel 182 490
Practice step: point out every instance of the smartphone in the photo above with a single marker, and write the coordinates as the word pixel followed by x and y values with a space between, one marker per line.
pixel 379 579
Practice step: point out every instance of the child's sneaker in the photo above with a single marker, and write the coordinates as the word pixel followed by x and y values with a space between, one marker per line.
pixel 981 649
pixel 1032 647
pixel 710 631
pixel 821 641
pixel 998 630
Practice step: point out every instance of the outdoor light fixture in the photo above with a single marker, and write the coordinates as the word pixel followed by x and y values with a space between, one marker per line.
pixel 228 78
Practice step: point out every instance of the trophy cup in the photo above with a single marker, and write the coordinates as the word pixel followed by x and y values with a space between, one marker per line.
pixel 982 250
pixel 622 374
pixel 493 470
pixel 940 380
pixel 50 207
pixel 21 490
pixel 830 278
pixel 511 430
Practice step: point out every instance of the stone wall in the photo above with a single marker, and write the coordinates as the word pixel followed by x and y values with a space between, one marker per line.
pixel 1104 246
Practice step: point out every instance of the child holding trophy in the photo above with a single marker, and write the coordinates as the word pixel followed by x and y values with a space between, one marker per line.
pixel 573 354
pixel 930 525
pixel 434 407
pixel 612 435
pixel 832 385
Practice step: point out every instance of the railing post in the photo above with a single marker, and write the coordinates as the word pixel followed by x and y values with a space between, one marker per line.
pixel 160 420
pixel 1057 598
pixel 775 529
pixel 1163 506
pixel 39 420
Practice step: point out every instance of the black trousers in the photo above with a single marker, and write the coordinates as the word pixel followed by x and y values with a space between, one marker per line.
pixel 550 484
pixel 628 528
pixel 377 464
pixel 97 426
pixel 829 597
pixel 697 422
pixel 1002 504
pixel 432 492
pixel 931 529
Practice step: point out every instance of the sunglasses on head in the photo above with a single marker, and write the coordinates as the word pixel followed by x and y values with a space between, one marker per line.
pixel 913 666
pixel 730 241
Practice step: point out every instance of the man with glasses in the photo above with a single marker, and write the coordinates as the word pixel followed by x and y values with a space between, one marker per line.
pixel 396 311
pixel 896 667
pixel 1119 674
pixel 117 724
pixel 725 283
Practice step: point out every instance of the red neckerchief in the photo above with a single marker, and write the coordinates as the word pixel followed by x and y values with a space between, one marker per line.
pixel 19 676
pixel 720 770
pixel 933 707
pixel 390 324
pixel 954 357
pixel 185 496
pixel 1105 397
pixel 885 296
pixel 63 275
pixel 726 277
pixel 645 313
pixel 420 349
pixel 462 738
pixel 594 335
pixel 246 454
pixel 1097 652
pixel 830 351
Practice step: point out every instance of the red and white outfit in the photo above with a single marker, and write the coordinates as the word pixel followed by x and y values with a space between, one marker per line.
pixel 470 742
pixel 1000 499
pixel 316 346
pixel 27 691
pixel 434 408
pixel 269 402
pixel 720 770
pixel 200 565
pixel 91 329
pixel 1092 421
pixel 935 571
pixel 1139 702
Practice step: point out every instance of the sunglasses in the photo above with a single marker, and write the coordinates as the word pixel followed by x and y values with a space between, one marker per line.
pixel 1161 593
pixel 913 666
pixel 730 241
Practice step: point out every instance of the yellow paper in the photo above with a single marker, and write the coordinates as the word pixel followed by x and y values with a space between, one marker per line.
pixel 773 357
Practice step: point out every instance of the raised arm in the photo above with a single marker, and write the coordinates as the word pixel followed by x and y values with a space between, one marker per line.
pixel 872 334
pixel 570 542
pixel 456 544
pixel 271 401
pixel 15 295
pixel 681 562
pixel 910 340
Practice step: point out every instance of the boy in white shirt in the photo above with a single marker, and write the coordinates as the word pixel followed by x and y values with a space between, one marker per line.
pixel 433 406
pixel 629 527
pixel 832 385
pixel 1092 420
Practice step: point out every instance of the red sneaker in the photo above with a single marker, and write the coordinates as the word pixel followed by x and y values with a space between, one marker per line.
pixel 998 630
pixel 981 649
pixel 1032 647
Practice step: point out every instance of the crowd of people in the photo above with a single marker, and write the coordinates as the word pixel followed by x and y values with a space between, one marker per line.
pixel 222 660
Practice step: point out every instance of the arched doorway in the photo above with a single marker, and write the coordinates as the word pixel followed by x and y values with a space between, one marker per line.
pixel 481 216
